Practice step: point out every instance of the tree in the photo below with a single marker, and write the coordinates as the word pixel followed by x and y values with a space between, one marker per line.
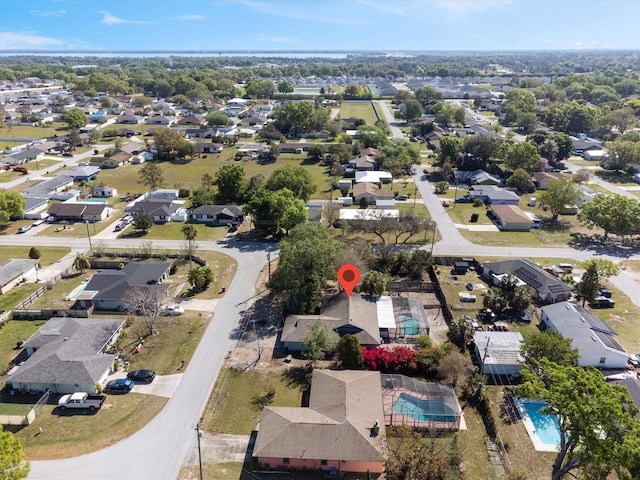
pixel 145 301
pixel 141 101
pixel 412 457
pixel 350 352
pixel 319 341
pixel 521 182
pixel 622 155
pixel 260 89
pixel 615 214
pixel 587 287
pixel 231 183
pixel 373 283
pixel 522 155
pixel 558 194
pixel 428 95
pixel 581 176
pixel 190 233
pixel 453 365
pixel 167 142
pixel 81 263
pixel 95 135
pixel 441 187
pixel 12 205
pixel 297 179
pixel 34 253
pixel 599 430
pixel 450 148
pixel 276 211
pixel 448 114
pixel 371 136
pixel 412 109
pixel 285 87
pixel 551 345
pixel 604 268
pixel 73 139
pixel 306 262
pixel 460 332
pixel 216 118
pixel 151 176
pixel 316 151
pixel 13 465
pixel 142 220
pixel 74 118
pixel 200 277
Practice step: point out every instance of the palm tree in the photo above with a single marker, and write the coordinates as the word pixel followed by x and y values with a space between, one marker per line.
pixel 190 233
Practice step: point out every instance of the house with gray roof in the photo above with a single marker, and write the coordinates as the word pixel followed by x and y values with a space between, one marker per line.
pixel 35 206
pixel 544 286
pixel 498 353
pixel 217 214
pixel 476 177
pixel 109 289
pixel 14 271
pixel 67 355
pixel 342 429
pixel 162 209
pixel 356 315
pixel 493 195
pixel 52 185
pixel 594 338
pixel 84 173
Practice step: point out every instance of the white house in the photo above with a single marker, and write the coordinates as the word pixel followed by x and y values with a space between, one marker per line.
pixel 105 192
pixel 594 339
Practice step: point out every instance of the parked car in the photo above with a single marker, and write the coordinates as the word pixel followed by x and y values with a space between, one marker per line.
pixel 634 359
pixel 603 292
pixel 81 400
pixel 121 385
pixel 565 267
pixel 464 200
pixel 603 302
pixel 172 310
pixel 24 228
pixel 84 164
pixel 402 197
pixel 146 376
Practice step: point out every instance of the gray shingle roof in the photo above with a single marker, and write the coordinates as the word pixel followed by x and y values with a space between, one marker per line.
pixel 114 284
pixel 14 267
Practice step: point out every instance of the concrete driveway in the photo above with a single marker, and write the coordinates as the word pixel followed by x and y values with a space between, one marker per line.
pixel 162 385
pixel 221 448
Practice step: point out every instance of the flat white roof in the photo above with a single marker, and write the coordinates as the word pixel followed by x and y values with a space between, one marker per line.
pixel 384 309
pixel 372 177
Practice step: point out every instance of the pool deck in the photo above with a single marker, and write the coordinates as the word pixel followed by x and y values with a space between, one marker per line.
pixel 538 445
pixel 395 419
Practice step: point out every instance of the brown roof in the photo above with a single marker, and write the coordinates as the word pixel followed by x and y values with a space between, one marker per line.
pixel 343 408
pixel 371 188
pixel 510 214
pixel 76 209
pixel 371 152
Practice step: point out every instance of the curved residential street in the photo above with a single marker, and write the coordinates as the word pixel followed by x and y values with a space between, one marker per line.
pixel 161 448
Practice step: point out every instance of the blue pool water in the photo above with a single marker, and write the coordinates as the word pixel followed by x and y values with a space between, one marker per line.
pixel 93 200
pixel 410 325
pixel 423 410
pixel 547 426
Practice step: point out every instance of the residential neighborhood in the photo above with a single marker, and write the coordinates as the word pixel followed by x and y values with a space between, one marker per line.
pixel 170 258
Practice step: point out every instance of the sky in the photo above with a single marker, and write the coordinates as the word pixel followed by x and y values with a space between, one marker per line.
pixel 388 25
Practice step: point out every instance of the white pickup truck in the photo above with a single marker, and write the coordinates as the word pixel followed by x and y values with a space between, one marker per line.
pixel 81 400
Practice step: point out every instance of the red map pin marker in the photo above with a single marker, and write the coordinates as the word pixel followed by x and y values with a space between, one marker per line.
pixel 348 276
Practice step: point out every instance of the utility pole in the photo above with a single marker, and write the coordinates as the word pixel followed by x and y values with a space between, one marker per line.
pixel 269 264
pixel 199 434
pixel 86 222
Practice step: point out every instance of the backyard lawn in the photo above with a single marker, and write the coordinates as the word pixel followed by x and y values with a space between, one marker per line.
pixel 173 231
pixel 49 256
pixel 12 332
pixel 363 110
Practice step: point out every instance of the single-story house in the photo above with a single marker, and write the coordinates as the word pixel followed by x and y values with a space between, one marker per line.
pixel 363 163
pixel 190 120
pixel 52 185
pixel 132 148
pixel 252 149
pixel 129 119
pixel 67 355
pixel 371 192
pixel 581 145
pixel 476 177
pixel 510 218
pixel 498 353
pixel 541 179
pixel 161 120
pixel 356 315
pixel 369 151
pixel 79 212
pixel 368 214
pixel 207 147
pixel 294 147
pixel 632 382
pixel 23 156
pixel 342 429
pixel 114 161
pixel 84 174
pixel 162 210
pixel 105 192
pixel 594 339
pixel 594 155
pixel 493 195
pixel 217 214
pixel 35 206
pixel 369 176
pixel 544 286
pixel 108 289
pixel 16 270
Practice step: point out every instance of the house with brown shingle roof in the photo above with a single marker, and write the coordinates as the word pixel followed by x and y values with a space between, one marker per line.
pixel 342 429
pixel 371 192
pixel 541 179
pixel 510 218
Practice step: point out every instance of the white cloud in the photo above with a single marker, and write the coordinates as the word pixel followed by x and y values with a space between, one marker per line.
pixel 48 13
pixel 109 19
pixel 279 39
pixel 18 40
pixel 386 7
pixel 309 12
pixel 577 44
pixel 191 17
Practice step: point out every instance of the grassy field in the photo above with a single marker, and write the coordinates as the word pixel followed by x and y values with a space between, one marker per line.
pixel 364 111
pixel 173 231
pixel 19 131
pixel 13 332
pixel 8 301
pixel 49 256
pixel 78 230
pixel 56 297
pixel 238 398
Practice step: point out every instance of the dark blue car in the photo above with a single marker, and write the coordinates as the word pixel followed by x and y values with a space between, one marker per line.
pixel 121 385
pixel 142 376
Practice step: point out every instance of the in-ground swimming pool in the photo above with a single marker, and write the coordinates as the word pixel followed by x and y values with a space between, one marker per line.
pixel 94 200
pixel 546 429
pixel 410 326
pixel 424 410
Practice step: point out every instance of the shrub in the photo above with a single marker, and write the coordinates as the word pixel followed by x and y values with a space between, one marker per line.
pixel 397 360
pixel 477 202
pixel 474 217
pixel 34 253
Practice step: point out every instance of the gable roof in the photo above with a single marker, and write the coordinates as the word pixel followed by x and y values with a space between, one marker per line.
pixel 510 214
pixel 213 210
pixel 343 407
pixel 114 284
pixel 372 189
pixel 531 274
pixel 492 192
pixel 14 267
pixel 51 184
pixel 69 351
pixel 499 348
pixel 476 176
pixel 76 209
pixel 158 206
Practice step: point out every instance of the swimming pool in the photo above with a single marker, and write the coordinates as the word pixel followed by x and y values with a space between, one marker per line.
pixel 94 200
pixel 544 429
pixel 410 326
pixel 424 410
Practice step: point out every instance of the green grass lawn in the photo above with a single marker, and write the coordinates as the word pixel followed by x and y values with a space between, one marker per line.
pixel 78 230
pixel 224 269
pixel 615 177
pixel 49 256
pixel 19 131
pixel 56 297
pixel 364 111
pixel 9 176
pixel 173 231
pixel 9 300
pixel 238 398
pixel 13 332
